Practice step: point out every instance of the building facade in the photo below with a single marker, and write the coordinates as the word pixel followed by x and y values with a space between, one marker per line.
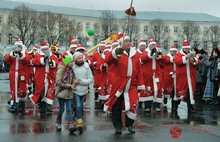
pixel 167 28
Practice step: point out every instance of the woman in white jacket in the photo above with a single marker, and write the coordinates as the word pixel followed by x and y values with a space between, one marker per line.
pixel 84 77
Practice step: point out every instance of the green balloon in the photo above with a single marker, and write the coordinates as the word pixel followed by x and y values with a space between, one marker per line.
pixel 90 32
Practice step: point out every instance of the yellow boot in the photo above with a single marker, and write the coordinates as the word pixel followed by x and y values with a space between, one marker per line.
pixel 79 125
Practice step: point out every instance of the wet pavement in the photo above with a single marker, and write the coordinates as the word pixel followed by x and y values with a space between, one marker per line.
pixel 33 127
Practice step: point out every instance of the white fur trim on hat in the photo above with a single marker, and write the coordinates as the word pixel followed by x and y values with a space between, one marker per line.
pixel 125 38
pixel 142 43
pixel 151 43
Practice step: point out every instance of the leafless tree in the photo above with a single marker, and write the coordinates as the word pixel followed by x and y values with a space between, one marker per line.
pixel 214 32
pixel 52 27
pixel 107 20
pixel 22 23
pixel 160 32
pixel 190 31
pixel 132 28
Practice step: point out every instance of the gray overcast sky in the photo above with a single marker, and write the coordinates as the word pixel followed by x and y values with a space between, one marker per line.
pixel 211 7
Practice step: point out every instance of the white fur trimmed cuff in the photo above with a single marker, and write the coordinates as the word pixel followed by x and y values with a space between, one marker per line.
pixel 184 60
pixel 114 54
pixel 21 58
pixel 141 87
pixel 42 61
pixel 11 54
pixel 54 64
pixel 149 56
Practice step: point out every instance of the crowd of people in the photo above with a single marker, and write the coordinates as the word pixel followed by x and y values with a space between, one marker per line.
pixel 125 78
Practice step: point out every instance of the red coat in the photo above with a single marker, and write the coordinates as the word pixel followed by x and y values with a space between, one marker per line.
pixel 94 60
pixel 102 78
pixel 152 77
pixel 44 78
pixel 185 77
pixel 168 76
pixel 18 76
pixel 128 80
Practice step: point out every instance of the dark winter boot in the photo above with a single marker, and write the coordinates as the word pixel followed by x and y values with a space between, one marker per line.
pixel 175 105
pixel 96 97
pixel 190 107
pixel 42 107
pixel 21 106
pixel 147 105
pixel 156 106
pixel 49 109
pixel 72 127
pixel 58 125
pixel 217 103
pixel 14 108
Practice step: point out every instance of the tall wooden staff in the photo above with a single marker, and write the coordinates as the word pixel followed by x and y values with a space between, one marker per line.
pixel 130 12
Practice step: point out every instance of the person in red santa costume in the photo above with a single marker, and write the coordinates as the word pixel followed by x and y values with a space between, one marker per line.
pixel 111 69
pixel 71 50
pixel 18 59
pixel 30 73
pixel 44 62
pixel 141 47
pixel 186 63
pixel 94 59
pixel 102 66
pixel 169 70
pixel 128 80
pixel 152 58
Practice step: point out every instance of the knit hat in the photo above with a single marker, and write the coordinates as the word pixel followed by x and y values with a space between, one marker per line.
pixel 67 59
pixel 76 55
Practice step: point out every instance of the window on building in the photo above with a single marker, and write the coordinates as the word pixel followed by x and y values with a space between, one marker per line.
pixel 41 38
pixel 0 20
pixel 176 43
pixel 61 41
pixel 175 30
pixel 196 30
pixel 79 39
pixel 145 28
pixel 135 42
pixel 22 21
pixel 156 29
pixel 135 28
pixel 166 29
pixel 10 39
pixel 166 44
pixel 78 26
pixel 205 45
pixel 114 28
pixel 61 24
pixel 0 38
pixel 10 21
pixel 205 30
pixel 87 26
pixel 195 43
pixel 96 26
pixel 32 39
pixel 186 30
pixel 95 41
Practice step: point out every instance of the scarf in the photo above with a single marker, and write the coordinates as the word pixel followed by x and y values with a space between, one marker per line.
pixel 65 78
pixel 79 63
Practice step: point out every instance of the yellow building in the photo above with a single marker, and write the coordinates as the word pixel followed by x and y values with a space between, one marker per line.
pixel 86 19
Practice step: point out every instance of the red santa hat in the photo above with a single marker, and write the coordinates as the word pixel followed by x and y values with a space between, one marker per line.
pixel 18 42
pixel 186 44
pixel 73 44
pixel 157 46
pixel 142 42
pixel 115 42
pixel 102 43
pixel 122 36
pixel 108 45
pixel 150 42
pixel 132 45
pixel 80 47
pixel 35 47
pixel 73 40
pixel 173 48
pixel 44 45
pixel 106 49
